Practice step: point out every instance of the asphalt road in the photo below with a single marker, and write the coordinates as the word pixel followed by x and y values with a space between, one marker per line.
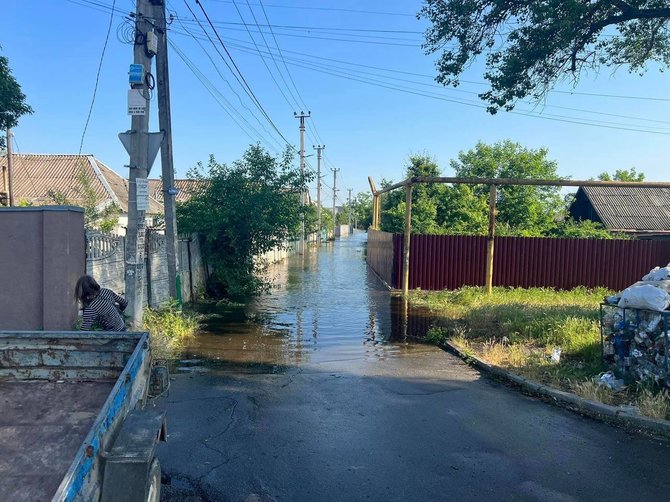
pixel 421 426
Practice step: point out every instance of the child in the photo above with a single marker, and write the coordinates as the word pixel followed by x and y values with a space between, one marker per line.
pixel 100 305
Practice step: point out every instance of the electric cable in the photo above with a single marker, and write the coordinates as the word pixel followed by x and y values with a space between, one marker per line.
pixel 232 89
pixel 97 79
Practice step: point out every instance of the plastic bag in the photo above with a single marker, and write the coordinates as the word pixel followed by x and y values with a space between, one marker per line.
pixel 645 296
pixel 658 274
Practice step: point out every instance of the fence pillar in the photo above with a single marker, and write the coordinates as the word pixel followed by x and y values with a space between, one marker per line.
pixel 408 233
pixel 491 239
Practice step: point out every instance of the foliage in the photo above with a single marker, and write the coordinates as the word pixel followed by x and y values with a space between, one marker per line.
pixel 245 210
pixel 169 328
pixel 104 219
pixel 362 209
pixel 12 100
pixel 530 46
pixel 525 210
pixel 584 229
pixel 622 175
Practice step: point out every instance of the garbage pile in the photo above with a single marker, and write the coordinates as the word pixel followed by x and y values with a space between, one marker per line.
pixel 635 328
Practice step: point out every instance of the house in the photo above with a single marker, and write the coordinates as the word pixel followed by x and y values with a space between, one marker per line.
pixel 643 212
pixel 43 179
pixel 185 189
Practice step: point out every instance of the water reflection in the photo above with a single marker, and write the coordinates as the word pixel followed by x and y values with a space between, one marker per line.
pixel 325 306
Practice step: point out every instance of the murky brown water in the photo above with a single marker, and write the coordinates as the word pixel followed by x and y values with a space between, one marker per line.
pixel 325 307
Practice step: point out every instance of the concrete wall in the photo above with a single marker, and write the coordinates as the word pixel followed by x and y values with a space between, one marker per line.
pixel 42 254
pixel 342 231
pixel 105 262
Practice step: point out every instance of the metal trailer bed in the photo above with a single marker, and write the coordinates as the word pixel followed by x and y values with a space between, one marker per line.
pixel 67 401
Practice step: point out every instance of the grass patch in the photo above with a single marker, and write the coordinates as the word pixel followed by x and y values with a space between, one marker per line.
pixel 169 327
pixel 518 329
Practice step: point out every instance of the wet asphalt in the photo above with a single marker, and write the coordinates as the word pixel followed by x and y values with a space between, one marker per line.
pixel 314 395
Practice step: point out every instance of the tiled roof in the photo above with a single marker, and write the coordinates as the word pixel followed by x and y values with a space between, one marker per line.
pixel 631 208
pixel 186 189
pixel 35 175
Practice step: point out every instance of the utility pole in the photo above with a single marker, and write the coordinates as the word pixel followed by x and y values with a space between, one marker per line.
pixel 10 170
pixel 139 167
pixel 167 166
pixel 335 170
pixel 302 118
pixel 350 189
pixel 318 149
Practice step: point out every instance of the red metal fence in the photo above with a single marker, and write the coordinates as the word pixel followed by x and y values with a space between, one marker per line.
pixel 451 261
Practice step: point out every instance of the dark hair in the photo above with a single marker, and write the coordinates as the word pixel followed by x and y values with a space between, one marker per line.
pixel 86 290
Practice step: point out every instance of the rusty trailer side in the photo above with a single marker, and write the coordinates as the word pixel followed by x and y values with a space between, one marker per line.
pixel 64 398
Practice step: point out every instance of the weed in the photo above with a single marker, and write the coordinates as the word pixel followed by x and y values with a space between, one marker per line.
pixel 592 390
pixel 436 335
pixel 168 329
pixel 654 404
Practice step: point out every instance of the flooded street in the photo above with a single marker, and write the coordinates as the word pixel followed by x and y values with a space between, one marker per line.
pixel 312 393
pixel 325 308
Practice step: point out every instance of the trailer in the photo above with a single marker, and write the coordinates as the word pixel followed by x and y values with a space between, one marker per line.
pixel 76 423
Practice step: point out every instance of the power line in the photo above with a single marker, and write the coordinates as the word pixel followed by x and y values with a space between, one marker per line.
pixel 218 97
pixel 239 98
pixel 97 79
pixel 333 9
pixel 246 84
pixel 355 77
pixel 281 91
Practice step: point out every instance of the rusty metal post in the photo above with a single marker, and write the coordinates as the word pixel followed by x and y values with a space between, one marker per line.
pixel 408 233
pixel 491 239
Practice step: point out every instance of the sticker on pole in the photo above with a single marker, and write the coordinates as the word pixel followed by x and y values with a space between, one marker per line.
pixel 142 194
pixel 137 103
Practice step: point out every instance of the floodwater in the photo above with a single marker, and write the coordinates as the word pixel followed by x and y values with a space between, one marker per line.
pixel 325 307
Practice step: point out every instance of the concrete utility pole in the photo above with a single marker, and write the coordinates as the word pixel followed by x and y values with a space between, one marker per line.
pixel 302 118
pixel 318 149
pixel 167 166
pixel 349 190
pixel 10 169
pixel 139 170
pixel 334 197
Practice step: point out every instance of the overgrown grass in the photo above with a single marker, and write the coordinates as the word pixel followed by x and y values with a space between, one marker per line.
pixel 169 328
pixel 518 329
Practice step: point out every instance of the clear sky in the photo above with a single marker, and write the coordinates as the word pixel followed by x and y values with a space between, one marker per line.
pixel 369 119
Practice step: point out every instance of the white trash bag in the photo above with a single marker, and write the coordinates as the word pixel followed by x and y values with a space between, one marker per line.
pixel 644 296
pixel 658 274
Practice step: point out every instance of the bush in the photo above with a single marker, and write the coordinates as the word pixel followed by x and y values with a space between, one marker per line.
pixel 169 328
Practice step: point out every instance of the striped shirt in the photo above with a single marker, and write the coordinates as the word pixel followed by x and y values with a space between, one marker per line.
pixel 102 312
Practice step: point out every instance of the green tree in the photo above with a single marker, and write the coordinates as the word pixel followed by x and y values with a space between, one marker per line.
pixel 521 210
pixel 362 208
pixel 425 199
pixel 104 219
pixel 245 210
pixel 530 46
pixel 12 100
pixel 622 175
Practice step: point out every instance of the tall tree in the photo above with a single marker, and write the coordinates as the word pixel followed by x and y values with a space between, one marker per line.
pixel 530 46
pixel 241 212
pixel 525 210
pixel 12 100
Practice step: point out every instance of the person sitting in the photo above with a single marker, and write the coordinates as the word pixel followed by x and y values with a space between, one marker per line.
pixel 101 307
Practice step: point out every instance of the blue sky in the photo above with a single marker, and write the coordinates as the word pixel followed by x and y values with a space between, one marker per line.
pixel 54 49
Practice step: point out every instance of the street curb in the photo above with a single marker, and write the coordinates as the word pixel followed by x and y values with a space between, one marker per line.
pixel 593 409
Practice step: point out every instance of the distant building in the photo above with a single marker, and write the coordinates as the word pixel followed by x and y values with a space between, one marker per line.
pixel 185 189
pixel 641 212
pixel 36 176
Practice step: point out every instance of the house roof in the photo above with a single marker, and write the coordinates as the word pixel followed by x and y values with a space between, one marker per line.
pixel 631 208
pixel 186 189
pixel 34 175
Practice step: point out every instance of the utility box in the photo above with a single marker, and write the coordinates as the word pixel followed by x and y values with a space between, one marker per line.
pixel 42 254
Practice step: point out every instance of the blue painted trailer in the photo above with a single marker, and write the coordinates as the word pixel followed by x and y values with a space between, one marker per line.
pixel 74 420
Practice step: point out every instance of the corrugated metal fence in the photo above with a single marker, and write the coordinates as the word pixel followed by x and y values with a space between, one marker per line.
pixel 451 261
